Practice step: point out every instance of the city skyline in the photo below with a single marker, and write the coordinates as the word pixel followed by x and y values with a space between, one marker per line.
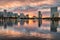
pixel 32 8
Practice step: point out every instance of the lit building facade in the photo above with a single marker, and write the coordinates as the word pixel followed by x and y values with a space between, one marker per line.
pixel 56 14
pixel 53 11
pixel 39 14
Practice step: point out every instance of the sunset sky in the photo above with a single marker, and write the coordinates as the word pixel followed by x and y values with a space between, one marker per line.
pixel 30 7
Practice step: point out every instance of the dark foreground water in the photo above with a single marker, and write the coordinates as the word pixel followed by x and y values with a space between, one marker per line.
pixel 12 29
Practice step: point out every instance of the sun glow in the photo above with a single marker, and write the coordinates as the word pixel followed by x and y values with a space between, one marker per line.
pixel 30 16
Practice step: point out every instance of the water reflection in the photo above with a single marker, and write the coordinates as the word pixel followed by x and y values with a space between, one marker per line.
pixel 39 22
pixel 31 27
pixel 16 22
pixel 27 21
pixel 5 24
pixel 22 22
pixel 34 20
pixel 8 23
pixel 12 22
pixel 54 25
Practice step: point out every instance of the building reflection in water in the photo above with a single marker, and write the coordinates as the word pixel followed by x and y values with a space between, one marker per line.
pixel 22 22
pixel 34 20
pixel 5 24
pixel 16 22
pixel 1 23
pixel 27 21
pixel 39 22
pixel 8 23
pixel 54 25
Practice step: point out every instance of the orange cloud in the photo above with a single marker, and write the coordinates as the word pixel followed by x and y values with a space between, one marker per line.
pixel 6 4
pixel 14 3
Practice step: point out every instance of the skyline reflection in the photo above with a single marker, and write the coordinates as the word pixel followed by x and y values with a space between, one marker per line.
pixel 6 23
pixel 54 25
pixel 30 27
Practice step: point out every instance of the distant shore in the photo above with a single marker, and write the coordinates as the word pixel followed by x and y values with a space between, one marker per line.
pixel 29 18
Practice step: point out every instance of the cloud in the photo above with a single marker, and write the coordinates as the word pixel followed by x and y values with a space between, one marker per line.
pixel 13 3
pixel 28 6
pixel 20 3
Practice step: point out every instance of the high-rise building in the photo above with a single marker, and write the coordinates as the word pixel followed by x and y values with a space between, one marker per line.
pixel 5 13
pixel 53 11
pixel 56 14
pixel 39 14
pixel 1 14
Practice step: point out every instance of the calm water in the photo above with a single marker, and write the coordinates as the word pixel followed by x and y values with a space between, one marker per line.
pixel 24 27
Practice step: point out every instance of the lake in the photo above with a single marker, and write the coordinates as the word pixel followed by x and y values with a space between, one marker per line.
pixel 39 28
